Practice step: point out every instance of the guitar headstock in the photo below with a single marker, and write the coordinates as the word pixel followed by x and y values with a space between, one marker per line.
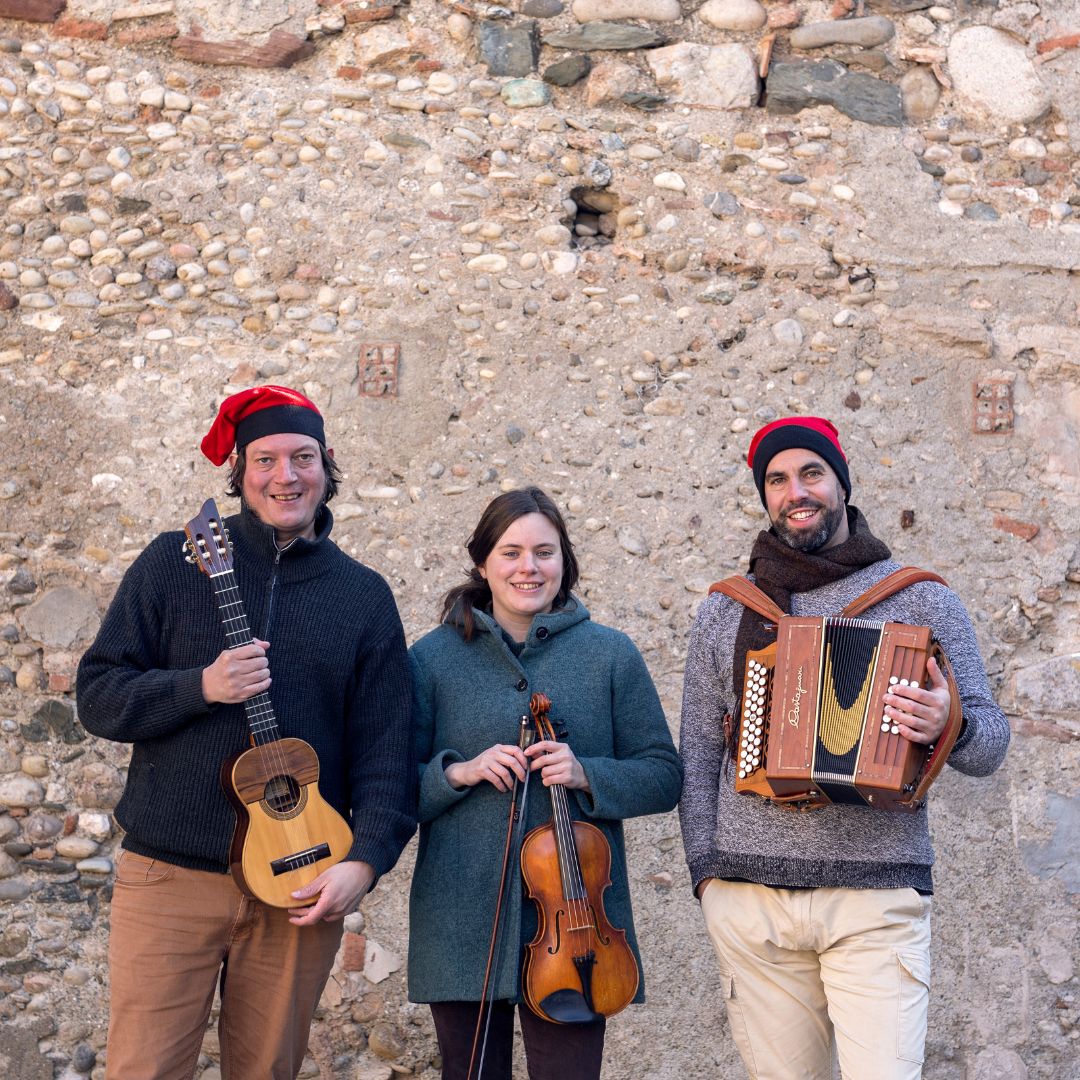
pixel 207 543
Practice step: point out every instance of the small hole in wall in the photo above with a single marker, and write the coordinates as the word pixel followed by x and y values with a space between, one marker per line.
pixel 592 222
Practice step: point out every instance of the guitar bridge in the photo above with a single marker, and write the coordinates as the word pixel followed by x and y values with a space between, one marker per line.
pixel 300 858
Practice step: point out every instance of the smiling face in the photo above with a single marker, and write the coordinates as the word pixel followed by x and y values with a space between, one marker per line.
pixel 285 484
pixel 805 501
pixel 524 572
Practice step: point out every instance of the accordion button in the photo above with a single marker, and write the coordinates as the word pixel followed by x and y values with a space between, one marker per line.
pixel 884 727
pixel 894 730
pixel 904 682
pixel 893 680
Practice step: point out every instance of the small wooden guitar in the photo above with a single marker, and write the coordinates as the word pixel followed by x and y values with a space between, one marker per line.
pixel 286 833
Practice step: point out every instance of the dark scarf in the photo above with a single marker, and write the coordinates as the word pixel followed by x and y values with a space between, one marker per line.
pixel 780 570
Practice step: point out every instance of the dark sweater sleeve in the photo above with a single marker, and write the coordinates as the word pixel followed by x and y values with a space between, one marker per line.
pixel 701 740
pixel 124 692
pixel 985 737
pixel 382 770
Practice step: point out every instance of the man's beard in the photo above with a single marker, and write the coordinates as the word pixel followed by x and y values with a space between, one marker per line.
pixel 808 542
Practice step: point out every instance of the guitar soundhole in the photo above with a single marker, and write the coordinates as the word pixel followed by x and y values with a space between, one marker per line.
pixel 283 797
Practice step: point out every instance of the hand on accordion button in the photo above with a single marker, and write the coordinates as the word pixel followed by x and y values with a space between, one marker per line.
pixel 921 714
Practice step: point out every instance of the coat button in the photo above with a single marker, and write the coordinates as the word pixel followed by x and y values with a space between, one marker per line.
pixel 523 684
pixel 542 632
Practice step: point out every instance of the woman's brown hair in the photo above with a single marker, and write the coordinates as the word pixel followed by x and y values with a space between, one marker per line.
pixel 498 516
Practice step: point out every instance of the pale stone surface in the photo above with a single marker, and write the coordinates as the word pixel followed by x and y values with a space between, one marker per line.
pixel 920 92
pixel 61 617
pixel 379 962
pixel 20 791
pixel 608 81
pixel 733 14
pixel 868 31
pixel 788 332
pixel 993 77
pixel 586 11
pixel 706 76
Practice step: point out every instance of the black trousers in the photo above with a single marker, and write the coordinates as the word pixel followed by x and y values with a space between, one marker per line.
pixel 552 1051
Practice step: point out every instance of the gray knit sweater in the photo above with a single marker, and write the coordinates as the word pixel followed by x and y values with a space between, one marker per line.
pixel 747 838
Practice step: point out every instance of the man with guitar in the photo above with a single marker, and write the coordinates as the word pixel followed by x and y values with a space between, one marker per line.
pixel 821 917
pixel 325 646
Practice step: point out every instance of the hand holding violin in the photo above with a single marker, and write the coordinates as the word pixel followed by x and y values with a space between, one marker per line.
pixel 557 765
pixel 497 765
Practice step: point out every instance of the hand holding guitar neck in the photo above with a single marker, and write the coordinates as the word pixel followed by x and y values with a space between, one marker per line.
pixel 237 674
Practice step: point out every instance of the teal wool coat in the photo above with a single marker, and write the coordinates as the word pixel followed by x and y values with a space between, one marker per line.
pixel 471 695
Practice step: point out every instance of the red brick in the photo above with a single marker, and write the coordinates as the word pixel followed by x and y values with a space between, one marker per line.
pixel 349 72
pixel 1053 164
pixel 31 10
pixel 1068 41
pixel 1026 530
pixel 140 35
pixel 208 92
pixel 363 15
pixel 86 29
pixel 354 947
pixel 281 50
pixel 60 684
pixel 428 65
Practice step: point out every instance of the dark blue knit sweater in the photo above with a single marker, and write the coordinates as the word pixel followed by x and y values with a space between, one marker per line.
pixel 339 675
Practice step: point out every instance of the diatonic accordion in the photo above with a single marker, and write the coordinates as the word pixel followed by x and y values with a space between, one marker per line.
pixel 812 723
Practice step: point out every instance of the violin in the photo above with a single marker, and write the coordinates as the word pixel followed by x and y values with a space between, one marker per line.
pixel 578 968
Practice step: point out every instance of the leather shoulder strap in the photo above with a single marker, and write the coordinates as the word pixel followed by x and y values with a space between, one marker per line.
pixel 946 740
pixel 749 595
pixel 897 580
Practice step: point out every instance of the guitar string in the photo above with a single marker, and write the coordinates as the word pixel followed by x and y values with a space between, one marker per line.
pixel 273 753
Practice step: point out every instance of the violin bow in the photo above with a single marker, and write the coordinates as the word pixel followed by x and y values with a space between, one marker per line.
pixel 516 817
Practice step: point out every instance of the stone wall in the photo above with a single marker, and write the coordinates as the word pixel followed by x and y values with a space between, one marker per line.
pixel 591 247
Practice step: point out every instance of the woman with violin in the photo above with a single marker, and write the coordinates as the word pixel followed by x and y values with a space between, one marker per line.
pixel 515 661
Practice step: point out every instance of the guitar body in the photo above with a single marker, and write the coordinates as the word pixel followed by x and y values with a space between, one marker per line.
pixel 286 833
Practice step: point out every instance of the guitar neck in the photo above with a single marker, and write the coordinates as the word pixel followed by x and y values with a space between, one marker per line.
pixel 260 712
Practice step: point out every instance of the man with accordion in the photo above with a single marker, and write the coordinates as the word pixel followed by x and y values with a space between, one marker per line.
pixel 822 695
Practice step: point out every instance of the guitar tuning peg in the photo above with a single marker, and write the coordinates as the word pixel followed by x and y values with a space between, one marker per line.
pixel 189 555
pixel 228 538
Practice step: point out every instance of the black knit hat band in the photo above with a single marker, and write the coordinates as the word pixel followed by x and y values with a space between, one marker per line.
pixel 280 420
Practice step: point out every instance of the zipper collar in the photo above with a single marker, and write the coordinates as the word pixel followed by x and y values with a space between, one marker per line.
pixel 301 556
